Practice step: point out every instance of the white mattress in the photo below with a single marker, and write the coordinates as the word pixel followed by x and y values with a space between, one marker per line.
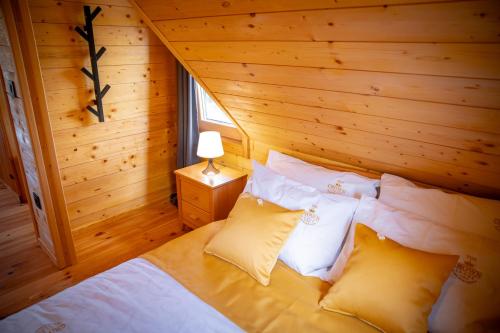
pixel 135 296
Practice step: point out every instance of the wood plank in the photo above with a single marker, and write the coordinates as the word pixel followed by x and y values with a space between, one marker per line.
pixel 150 24
pixel 71 78
pixel 152 226
pixel 144 218
pixel 113 181
pixel 121 3
pixel 96 151
pixel 422 170
pixel 115 197
pixel 444 59
pixel 416 81
pixel 47 34
pixel 21 258
pixel 153 236
pixel 431 145
pixel 118 163
pixel 474 21
pixel 114 211
pixel 232 146
pixel 361 152
pixel 67 119
pixel 417 131
pixel 237 162
pixel 484 181
pixel 174 9
pixel 55 11
pixel 461 91
pixel 30 133
pixel 260 152
pixel 77 56
pixel 142 75
pixel 468 118
pixel 75 137
pixel 75 99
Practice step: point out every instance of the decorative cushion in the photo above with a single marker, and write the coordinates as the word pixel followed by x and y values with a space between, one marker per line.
pixel 324 180
pixel 388 285
pixel 457 211
pixel 253 236
pixel 471 296
pixel 315 243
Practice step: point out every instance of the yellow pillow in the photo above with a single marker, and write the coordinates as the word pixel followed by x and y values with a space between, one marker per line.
pixel 254 233
pixel 387 285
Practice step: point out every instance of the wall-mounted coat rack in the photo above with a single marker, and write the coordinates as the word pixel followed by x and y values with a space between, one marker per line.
pixel 88 34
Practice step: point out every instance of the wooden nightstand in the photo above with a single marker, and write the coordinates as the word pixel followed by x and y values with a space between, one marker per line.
pixel 203 199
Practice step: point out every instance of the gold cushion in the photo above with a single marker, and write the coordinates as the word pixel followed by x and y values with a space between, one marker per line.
pixel 254 233
pixel 389 286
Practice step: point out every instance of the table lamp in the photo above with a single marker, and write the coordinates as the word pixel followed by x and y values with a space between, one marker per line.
pixel 210 146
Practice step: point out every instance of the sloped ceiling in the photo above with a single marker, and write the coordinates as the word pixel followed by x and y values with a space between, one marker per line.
pixel 403 86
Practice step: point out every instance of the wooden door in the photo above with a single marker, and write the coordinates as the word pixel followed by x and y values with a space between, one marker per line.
pixel 15 102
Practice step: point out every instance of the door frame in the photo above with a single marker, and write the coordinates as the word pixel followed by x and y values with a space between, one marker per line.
pixel 22 39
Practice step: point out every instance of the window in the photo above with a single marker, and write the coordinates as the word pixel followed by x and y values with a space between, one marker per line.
pixel 212 118
pixel 209 110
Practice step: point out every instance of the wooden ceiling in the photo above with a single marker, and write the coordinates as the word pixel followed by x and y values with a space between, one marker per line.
pixel 410 87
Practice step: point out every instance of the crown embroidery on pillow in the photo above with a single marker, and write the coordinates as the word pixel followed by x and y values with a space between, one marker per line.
pixel 310 217
pixel 466 270
pixel 336 188
pixel 496 223
pixel 51 328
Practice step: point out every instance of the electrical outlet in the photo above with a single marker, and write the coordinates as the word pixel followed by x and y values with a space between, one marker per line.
pixel 12 88
pixel 38 202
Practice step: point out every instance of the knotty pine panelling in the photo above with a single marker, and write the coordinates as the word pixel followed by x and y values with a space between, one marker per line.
pixel 407 87
pixel 126 162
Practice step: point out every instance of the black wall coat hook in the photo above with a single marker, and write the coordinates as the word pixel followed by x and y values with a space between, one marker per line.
pixel 88 34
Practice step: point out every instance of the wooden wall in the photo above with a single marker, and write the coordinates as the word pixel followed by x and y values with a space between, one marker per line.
pixel 16 109
pixel 410 87
pixel 127 161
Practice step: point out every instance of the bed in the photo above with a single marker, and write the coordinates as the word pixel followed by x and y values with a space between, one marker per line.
pixel 178 288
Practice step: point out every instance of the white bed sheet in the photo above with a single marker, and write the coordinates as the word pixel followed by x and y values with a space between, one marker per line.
pixel 135 296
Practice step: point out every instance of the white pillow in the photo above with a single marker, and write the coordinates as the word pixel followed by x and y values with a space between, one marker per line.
pixel 457 211
pixel 470 296
pixel 325 180
pixel 315 243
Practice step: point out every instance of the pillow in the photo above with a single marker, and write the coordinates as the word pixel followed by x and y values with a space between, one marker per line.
pixel 254 233
pixel 457 211
pixel 471 294
pixel 315 243
pixel 324 180
pixel 388 285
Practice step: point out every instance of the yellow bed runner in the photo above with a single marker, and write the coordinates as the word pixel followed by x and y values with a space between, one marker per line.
pixel 288 304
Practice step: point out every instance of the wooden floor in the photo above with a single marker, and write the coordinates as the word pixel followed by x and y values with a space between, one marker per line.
pixel 21 258
pixel 27 274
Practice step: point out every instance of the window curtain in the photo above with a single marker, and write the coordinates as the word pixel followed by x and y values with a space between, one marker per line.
pixel 187 119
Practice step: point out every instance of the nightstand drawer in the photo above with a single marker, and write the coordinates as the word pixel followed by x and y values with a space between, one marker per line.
pixel 194 215
pixel 195 195
pixel 205 199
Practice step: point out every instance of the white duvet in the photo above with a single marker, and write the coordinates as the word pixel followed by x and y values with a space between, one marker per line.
pixel 135 296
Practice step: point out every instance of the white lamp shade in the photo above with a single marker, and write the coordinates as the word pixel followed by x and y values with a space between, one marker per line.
pixel 210 145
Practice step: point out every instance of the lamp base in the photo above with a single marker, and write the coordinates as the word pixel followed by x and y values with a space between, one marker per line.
pixel 210 169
